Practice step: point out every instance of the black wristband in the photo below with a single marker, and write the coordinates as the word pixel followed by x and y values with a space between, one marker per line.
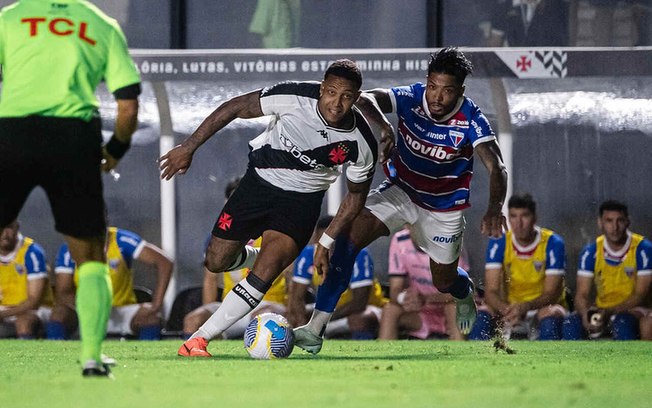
pixel 116 148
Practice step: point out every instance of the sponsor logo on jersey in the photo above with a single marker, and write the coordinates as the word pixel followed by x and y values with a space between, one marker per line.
pixel 224 222
pixel 428 150
pixel 459 123
pixel 456 137
pixel 446 239
pixel 323 134
pixel 338 154
pixel 299 155
pixel 404 92
pixel 478 129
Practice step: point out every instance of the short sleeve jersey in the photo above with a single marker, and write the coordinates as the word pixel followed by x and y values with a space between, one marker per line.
pixel 299 151
pixel 54 54
pixel 122 248
pixel 25 263
pixel 525 267
pixel 614 272
pixel 433 161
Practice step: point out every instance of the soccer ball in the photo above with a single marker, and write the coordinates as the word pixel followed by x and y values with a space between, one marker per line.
pixel 269 336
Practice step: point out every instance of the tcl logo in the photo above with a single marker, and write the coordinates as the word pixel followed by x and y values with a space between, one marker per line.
pixel 58 26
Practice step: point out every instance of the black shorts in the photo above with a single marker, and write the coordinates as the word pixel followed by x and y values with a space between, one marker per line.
pixel 63 156
pixel 257 206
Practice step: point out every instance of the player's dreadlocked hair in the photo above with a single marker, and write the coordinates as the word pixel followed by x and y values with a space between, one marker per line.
pixel 451 61
pixel 347 69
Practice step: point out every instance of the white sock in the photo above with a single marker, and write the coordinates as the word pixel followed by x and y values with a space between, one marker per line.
pixel 237 303
pixel 249 254
pixel 318 322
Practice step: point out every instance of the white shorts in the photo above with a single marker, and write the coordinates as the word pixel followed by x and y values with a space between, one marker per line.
pixel 120 319
pixel 439 234
pixel 237 329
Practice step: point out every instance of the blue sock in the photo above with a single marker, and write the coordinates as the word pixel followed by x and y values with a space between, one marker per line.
pixel 550 328
pixel 482 328
pixel 55 331
pixel 150 333
pixel 339 275
pixel 461 287
pixel 625 327
pixel 362 335
pixel 572 328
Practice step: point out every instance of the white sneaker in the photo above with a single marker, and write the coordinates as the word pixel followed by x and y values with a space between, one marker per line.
pixel 466 313
pixel 307 340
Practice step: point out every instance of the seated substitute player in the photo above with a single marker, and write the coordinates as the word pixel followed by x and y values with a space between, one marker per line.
pixel 618 263
pixel 524 278
pixel 416 307
pixel 273 302
pixel 357 314
pixel 128 317
pixel 428 180
pixel 313 131
pixel 23 284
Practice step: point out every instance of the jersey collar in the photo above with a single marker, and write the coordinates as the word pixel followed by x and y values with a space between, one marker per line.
pixel 622 251
pixel 528 248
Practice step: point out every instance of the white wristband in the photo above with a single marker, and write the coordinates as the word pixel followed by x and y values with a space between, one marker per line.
pixel 326 241
pixel 400 298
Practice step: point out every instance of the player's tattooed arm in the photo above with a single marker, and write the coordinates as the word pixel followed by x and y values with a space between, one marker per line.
pixel 350 207
pixel 371 110
pixel 179 159
pixel 494 222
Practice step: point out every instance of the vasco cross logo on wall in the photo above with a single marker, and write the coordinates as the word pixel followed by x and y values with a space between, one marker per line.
pixel 550 63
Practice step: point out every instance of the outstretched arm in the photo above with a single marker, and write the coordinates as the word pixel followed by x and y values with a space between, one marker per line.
pixel 494 222
pixel 351 206
pixel 370 108
pixel 178 160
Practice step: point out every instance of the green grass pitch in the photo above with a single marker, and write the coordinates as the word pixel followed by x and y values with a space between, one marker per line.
pixel 399 374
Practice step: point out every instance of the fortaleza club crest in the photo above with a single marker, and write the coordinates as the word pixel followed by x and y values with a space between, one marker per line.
pixel 338 154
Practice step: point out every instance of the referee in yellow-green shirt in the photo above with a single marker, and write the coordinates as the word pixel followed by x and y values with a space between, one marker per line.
pixel 53 56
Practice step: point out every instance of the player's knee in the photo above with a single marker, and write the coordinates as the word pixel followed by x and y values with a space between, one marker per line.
pixel 483 327
pixel 625 327
pixel 572 328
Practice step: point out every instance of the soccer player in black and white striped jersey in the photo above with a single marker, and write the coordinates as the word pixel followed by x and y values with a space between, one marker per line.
pixel 313 131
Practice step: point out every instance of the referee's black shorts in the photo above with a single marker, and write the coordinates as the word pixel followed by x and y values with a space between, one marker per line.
pixel 63 156
pixel 257 206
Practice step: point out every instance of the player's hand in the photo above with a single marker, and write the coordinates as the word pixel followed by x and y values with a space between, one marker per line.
pixel 321 260
pixel 175 161
pixel 493 224
pixel 108 162
pixel 514 312
pixel 412 302
pixel 387 142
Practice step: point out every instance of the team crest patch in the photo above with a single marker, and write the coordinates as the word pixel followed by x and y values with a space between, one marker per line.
pixel 224 222
pixel 19 269
pixel 114 263
pixel 456 137
pixel 338 155
pixel 538 265
pixel 629 272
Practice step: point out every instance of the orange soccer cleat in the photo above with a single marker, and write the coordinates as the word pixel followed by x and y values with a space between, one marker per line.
pixel 195 347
